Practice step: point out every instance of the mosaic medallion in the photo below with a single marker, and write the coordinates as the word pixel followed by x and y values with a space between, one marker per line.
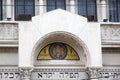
pixel 58 51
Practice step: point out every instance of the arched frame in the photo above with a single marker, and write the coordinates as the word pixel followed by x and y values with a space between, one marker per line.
pixel 68 38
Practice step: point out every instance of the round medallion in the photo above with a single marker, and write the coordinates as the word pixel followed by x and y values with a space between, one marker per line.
pixel 58 51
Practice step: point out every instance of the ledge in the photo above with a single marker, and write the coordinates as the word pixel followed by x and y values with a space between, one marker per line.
pixel 8 22
pixel 8 43
pixel 107 43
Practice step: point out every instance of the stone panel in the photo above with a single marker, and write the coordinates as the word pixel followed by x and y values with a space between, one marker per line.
pixel 110 32
pixel 8 31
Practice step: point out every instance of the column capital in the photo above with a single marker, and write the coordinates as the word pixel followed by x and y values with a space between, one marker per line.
pixel 25 73
pixel 93 72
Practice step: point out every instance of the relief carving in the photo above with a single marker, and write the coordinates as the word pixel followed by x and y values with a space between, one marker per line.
pixel 25 73
pixel 110 32
pixel 93 73
pixel 8 31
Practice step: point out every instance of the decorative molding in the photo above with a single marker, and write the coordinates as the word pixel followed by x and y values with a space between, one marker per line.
pixel 60 69
pixel 8 31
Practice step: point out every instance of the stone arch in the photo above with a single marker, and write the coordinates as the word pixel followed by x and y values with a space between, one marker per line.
pixel 61 36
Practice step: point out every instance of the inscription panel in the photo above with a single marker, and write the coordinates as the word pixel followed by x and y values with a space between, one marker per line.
pixel 109 74
pixel 9 74
pixel 59 74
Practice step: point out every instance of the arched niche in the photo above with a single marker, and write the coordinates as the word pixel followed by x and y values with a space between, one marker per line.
pixel 61 37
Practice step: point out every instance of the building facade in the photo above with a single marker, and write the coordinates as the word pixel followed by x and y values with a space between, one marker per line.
pixel 59 40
